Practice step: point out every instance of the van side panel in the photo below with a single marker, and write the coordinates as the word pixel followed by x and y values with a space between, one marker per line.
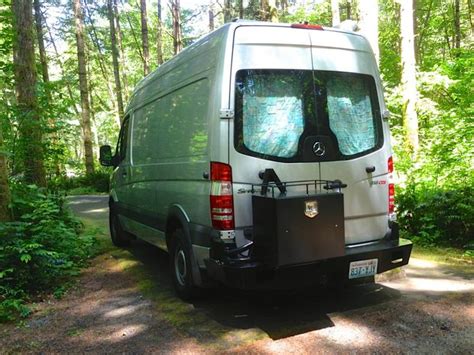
pixel 172 138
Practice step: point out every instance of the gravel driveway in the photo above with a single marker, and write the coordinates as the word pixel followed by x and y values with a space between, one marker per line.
pixel 124 303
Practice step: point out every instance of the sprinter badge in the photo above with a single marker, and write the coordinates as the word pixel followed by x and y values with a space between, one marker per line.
pixel 311 209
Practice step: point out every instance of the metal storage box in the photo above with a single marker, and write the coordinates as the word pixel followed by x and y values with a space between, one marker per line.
pixel 300 229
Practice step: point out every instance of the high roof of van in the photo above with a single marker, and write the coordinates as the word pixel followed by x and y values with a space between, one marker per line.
pixel 215 44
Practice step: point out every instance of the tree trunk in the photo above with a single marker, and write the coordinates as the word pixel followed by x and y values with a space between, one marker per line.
pixel 40 36
pixel 457 25
pixel 211 17
pixel 227 11
pixel 115 62
pixel 410 93
pixel 5 198
pixel 369 27
pixel 122 51
pixel 45 73
pixel 102 62
pixel 177 36
pixel 25 85
pixel 336 18
pixel 61 67
pixel 469 11
pixel 146 53
pixel 83 86
pixel 241 9
pixel 159 36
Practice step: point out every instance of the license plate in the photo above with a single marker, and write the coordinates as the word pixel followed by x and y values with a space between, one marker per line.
pixel 362 268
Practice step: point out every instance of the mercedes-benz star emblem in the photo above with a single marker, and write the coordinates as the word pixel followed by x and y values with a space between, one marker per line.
pixel 319 149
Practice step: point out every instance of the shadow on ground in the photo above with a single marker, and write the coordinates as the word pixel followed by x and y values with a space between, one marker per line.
pixel 279 314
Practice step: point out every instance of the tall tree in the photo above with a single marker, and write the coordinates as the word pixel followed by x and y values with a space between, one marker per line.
pixel 241 9
pixel 159 35
pixel 25 86
pixel 101 59
pixel 227 11
pixel 369 15
pixel 336 18
pixel 122 51
pixel 457 24
pixel 410 93
pixel 177 34
pixel 4 188
pixel 83 87
pixel 40 37
pixel 115 61
pixel 211 16
pixel 146 52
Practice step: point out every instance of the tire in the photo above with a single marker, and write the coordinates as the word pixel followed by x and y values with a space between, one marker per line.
pixel 119 237
pixel 181 267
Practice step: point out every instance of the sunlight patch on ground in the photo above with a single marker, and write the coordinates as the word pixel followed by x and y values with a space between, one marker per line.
pixel 123 311
pixel 422 264
pixel 127 331
pixel 348 333
pixel 433 285
pixel 97 210
pixel 281 347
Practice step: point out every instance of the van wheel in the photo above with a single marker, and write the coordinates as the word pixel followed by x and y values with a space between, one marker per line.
pixel 180 266
pixel 119 237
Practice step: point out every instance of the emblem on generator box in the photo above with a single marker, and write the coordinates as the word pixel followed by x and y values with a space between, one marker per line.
pixel 311 209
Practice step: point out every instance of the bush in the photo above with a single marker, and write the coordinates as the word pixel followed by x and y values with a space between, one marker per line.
pixel 96 182
pixel 432 216
pixel 40 250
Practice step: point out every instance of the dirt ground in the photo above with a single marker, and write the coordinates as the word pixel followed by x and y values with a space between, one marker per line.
pixel 124 303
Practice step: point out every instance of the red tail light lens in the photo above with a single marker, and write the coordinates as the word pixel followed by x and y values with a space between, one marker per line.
pixel 221 199
pixel 391 198
pixel 391 187
pixel 390 165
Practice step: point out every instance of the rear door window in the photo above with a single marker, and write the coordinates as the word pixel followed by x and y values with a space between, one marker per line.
pixel 350 113
pixel 272 109
pixel 277 110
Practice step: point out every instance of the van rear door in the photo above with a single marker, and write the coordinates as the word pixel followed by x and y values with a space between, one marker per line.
pixel 271 83
pixel 348 94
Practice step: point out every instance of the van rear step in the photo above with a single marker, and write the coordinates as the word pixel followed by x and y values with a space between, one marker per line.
pixel 246 274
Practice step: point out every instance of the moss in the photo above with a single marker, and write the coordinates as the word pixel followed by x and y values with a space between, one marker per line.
pixel 447 256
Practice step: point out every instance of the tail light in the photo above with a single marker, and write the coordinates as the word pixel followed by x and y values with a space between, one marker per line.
pixel 391 198
pixel 390 165
pixel 222 202
pixel 391 189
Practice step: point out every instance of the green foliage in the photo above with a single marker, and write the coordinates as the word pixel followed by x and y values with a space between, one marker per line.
pixel 40 250
pixel 431 216
pixel 96 182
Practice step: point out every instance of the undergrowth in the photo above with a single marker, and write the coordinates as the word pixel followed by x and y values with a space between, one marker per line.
pixel 40 251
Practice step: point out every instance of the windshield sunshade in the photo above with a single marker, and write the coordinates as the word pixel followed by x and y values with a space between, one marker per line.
pixel 279 111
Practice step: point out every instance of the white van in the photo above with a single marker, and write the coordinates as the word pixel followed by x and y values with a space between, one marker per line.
pixel 260 157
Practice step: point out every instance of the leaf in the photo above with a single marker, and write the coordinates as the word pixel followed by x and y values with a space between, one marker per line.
pixel 25 258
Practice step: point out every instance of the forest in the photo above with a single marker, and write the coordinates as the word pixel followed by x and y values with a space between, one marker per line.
pixel 69 67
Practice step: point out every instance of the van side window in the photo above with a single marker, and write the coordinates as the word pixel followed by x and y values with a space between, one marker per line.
pixel 122 144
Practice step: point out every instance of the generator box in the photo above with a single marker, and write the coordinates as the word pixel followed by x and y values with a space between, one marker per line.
pixel 291 230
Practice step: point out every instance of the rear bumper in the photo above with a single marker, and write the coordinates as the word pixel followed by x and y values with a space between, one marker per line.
pixel 391 254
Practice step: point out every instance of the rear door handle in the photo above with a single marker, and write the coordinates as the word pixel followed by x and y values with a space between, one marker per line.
pixel 370 169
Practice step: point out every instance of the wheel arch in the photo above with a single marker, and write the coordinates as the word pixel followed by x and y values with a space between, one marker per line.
pixel 177 217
